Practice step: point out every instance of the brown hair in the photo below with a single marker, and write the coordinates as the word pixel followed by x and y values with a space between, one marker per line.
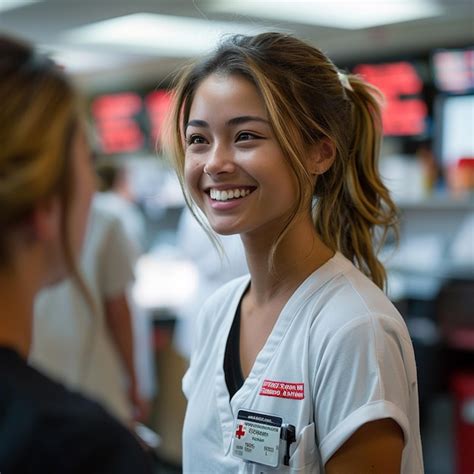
pixel 307 99
pixel 39 116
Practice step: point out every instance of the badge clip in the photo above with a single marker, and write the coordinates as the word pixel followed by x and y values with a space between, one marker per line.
pixel 288 434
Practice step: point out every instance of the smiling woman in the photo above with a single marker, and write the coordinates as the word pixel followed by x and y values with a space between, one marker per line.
pixel 275 144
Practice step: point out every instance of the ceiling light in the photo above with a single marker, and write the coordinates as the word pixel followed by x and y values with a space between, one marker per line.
pixel 165 35
pixel 12 4
pixel 77 61
pixel 347 14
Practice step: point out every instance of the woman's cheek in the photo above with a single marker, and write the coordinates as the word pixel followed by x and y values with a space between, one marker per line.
pixel 192 176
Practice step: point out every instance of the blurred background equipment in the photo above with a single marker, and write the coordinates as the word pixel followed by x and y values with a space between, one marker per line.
pixel 420 53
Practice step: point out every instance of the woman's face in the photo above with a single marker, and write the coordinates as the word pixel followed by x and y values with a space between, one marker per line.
pixel 235 169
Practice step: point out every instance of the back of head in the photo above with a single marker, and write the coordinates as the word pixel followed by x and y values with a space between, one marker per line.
pixel 38 118
pixel 307 100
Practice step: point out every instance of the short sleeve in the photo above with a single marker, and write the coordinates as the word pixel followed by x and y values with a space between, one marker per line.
pixel 116 259
pixel 366 373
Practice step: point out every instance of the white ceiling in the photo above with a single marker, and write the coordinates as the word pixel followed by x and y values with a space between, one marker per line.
pixel 45 22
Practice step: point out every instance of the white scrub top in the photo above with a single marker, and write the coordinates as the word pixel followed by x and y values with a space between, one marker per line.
pixel 339 339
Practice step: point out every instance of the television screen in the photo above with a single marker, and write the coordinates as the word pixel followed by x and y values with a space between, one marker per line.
pixel 455 116
pixel 454 70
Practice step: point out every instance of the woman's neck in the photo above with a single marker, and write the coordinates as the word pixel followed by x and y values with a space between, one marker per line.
pixel 16 312
pixel 298 255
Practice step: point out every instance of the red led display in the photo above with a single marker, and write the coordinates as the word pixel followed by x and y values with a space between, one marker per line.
pixel 158 104
pixel 116 118
pixel 404 112
pixel 117 128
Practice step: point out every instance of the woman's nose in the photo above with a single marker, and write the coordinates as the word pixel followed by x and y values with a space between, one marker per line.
pixel 219 160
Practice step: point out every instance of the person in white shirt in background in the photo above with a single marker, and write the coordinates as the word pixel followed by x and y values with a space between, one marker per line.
pixel 116 195
pixel 93 352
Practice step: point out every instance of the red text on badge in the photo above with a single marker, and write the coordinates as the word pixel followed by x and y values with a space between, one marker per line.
pixel 273 388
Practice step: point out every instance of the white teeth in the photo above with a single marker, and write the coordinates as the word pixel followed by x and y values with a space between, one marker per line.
pixel 228 194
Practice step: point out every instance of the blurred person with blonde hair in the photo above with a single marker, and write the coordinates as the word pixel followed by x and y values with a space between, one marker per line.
pixel 46 185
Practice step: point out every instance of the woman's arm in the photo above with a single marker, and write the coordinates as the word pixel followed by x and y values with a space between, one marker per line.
pixel 375 448
pixel 119 322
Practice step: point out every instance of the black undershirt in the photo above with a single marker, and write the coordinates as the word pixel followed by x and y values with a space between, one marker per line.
pixel 234 378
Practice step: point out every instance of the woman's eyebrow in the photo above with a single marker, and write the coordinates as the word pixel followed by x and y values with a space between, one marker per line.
pixel 246 118
pixel 197 123
pixel 233 121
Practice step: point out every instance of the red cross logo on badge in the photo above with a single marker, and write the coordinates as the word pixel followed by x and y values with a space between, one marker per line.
pixel 240 431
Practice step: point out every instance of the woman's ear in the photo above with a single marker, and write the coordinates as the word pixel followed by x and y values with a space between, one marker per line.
pixel 321 156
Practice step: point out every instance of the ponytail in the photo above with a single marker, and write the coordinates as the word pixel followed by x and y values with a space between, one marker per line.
pixel 355 202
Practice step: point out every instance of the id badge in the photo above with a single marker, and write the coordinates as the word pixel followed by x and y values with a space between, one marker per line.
pixel 257 438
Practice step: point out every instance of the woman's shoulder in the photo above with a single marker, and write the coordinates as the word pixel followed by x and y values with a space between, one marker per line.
pixel 56 430
pixel 82 433
pixel 349 298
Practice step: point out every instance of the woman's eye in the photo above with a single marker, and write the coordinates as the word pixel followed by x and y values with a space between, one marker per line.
pixel 244 136
pixel 195 140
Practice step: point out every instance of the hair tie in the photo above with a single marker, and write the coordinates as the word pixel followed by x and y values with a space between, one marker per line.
pixel 344 80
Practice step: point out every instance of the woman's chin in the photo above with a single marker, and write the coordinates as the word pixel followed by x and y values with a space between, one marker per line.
pixel 224 230
pixel 227 226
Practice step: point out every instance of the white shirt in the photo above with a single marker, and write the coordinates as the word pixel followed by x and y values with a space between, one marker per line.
pixel 338 336
pixel 129 215
pixel 70 343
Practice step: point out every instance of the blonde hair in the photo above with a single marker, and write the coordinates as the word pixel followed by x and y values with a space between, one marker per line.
pixel 39 116
pixel 308 99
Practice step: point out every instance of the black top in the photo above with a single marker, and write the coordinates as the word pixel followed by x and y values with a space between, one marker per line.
pixel 45 428
pixel 234 378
